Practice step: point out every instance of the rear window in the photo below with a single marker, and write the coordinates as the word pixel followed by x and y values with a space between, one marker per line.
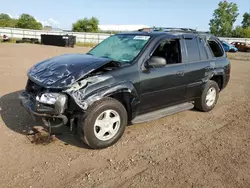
pixel 215 48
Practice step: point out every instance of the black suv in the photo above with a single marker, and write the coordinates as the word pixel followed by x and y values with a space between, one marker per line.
pixel 128 78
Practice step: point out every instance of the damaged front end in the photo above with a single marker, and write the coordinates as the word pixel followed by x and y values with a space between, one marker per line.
pixel 49 106
pixel 57 88
pixel 82 90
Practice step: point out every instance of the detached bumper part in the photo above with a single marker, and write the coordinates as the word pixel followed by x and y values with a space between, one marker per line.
pixel 28 103
pixel 44 111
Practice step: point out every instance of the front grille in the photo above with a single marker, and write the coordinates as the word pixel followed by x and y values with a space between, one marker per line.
pixel 33 88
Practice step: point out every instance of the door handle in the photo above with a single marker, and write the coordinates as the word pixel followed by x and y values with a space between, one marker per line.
pixel 180 73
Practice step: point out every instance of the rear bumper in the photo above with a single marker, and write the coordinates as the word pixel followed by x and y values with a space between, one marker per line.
pixel 225 81
pixel 33 108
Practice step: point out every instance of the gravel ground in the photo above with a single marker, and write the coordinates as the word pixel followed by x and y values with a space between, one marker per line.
pixel 239 56
pixel 189 149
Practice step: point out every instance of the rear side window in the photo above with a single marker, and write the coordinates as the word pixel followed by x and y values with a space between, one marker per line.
pixel 216 49
pixel 203 52
pixel 192 49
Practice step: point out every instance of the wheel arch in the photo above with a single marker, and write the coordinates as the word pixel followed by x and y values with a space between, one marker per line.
pixel 218 76
pixel 124 92
pixel 125 99
pixel 218 79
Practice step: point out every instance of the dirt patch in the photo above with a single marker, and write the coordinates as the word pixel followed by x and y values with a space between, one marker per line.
pixel 244 56
pixel 189 149
pixel 40 135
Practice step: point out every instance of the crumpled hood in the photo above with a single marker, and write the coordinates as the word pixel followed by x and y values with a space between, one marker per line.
pixel 64 70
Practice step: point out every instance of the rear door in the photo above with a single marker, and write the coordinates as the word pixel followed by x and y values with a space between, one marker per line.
pixel 197 65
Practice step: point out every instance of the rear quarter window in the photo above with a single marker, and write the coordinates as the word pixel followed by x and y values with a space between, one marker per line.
pixel 216 48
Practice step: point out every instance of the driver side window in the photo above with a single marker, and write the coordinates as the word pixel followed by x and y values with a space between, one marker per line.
pixel 169 50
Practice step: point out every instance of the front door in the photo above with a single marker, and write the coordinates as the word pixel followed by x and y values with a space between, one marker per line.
pixel 161 87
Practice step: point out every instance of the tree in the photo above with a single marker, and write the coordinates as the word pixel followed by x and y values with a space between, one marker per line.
pixel 86 25
pixel 238 32
pixel 246 20
pixel 7 21
pixel 224 17
pixel 241 32
pixel 246 32
pixel 47 27
pixel 4 16
pixel 27 21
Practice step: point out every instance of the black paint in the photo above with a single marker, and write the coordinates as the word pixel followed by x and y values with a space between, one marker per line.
pixel 140 89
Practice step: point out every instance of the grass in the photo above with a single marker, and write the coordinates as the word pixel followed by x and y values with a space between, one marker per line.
pixel 85 44
pixel 12 40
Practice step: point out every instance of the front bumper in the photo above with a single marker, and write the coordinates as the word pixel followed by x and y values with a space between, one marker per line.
pixel 37 109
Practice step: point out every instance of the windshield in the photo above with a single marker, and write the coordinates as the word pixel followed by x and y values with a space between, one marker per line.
pixel 121 48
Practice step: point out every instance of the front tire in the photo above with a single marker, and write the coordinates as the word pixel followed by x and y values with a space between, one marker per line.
pixel 209 97
pixel 103 124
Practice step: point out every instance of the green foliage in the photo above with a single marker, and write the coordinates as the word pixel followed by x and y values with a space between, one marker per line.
pixel 246 20
pixel 86 25
pixel 4 17
pixel 7 21
pixel 48 28
pixel 223 19
pixel 246 32
pixel 241 32
pixel 238 31
pixel 27 21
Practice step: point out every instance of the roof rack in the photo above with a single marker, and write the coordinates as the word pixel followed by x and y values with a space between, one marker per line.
pixel 174 29
pixel 171 29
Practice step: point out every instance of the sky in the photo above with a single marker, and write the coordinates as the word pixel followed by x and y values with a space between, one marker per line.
pixel 167 13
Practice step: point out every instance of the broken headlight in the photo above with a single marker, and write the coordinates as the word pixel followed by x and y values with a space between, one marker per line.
pixel 54 103
pixel 52 98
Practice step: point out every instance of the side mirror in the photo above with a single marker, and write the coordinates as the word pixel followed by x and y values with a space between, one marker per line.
pixel 156 62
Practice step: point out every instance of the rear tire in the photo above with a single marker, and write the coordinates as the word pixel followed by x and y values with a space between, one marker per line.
pixel 103 124
pixel 209 97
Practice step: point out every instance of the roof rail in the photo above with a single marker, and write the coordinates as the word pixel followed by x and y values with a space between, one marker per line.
pixel 171 29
